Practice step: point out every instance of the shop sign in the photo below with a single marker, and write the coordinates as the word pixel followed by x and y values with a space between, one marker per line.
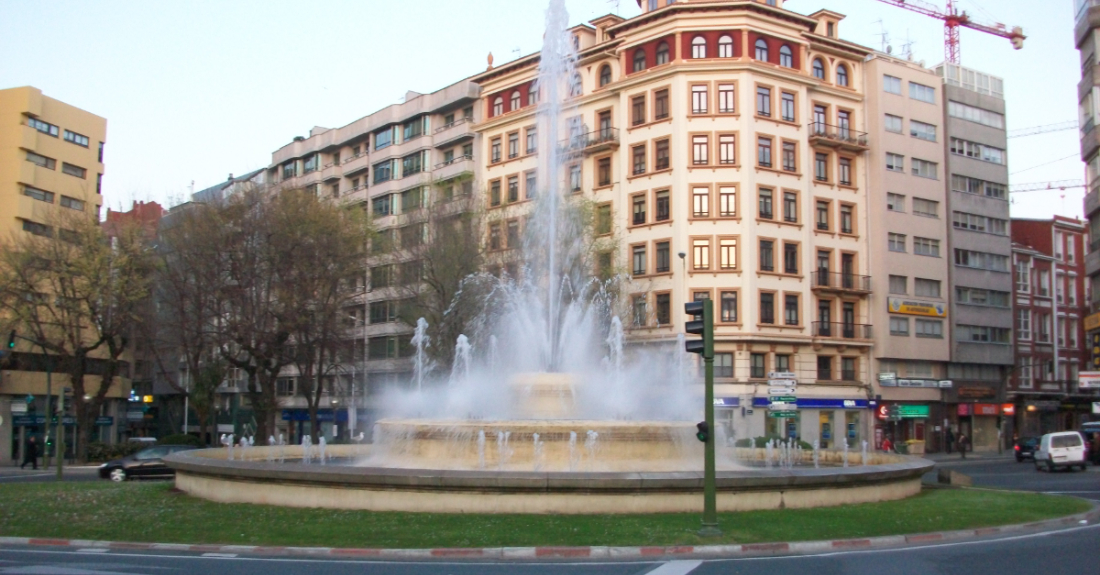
pixel 913 411
pixel 887 376
pixel 782 414
pixel 986 409
pixel 104 421
pixel 976 392
pixel 1092 321
pixel 1008 409
pixel 964 409
pixel 135 415
pixel 18 407
pixel 1043 405
pixel 1088 380
pixel 914 307
pixel 726 402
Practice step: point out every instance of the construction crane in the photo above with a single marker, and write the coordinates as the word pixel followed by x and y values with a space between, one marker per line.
pixel 953 19
pixel 1060 185
pixel 1059 127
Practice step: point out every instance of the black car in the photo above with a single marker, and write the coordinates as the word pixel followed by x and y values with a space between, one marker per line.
pixel 1025 448
pixel 147 463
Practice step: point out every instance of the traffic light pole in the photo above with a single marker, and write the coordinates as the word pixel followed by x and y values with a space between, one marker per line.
pixel 710 490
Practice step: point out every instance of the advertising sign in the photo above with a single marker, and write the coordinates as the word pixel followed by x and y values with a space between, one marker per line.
pixel 1092 322
pixel 985 409
pixel 914 307
pixel 1088 380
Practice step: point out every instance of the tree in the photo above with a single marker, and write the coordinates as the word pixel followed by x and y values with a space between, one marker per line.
pixel 78 295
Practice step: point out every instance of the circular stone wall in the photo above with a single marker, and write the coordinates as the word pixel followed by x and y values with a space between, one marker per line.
pixel 210 475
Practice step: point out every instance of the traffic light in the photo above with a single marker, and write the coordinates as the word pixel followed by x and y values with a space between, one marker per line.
pixel 702 323
pixel 11 340
pixel 702 432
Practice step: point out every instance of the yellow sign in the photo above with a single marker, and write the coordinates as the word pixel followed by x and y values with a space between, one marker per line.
pixel 1092 322
pixel 911 307
pixel 147 399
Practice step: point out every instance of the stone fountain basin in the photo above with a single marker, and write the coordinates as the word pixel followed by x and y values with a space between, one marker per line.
pixel 208 474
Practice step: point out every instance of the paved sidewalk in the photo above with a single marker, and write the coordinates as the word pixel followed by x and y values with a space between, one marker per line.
pixel 979 456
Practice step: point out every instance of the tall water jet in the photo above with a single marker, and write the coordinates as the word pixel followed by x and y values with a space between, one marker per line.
pixel 460 369
pixel 481 449
pixel 845 452
pixel 420 340
pixel 615 351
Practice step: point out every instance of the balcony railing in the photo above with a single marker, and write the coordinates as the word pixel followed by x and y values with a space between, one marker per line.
pixel 840 330
pixel 453 160
pixel 450 125
pixel 591 142
pixel 838 136
pixel 823 279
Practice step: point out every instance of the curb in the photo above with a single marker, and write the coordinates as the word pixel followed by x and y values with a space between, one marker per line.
pixel 582 553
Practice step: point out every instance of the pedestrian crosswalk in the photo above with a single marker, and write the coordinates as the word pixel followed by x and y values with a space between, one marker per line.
pixel 676 568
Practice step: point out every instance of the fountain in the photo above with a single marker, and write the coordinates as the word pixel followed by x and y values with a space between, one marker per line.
pixel 544 409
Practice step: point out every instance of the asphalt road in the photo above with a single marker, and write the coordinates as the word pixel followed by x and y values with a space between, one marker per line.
pixel 1007 474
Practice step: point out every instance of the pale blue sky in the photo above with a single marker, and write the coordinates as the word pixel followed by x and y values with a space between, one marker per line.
pixel 194 90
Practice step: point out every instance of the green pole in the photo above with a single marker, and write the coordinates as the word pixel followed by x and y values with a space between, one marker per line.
pixel 710 491
pixel 49 419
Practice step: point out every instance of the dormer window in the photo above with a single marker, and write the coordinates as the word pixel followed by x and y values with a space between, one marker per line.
pixel 605 75
pixel 830 29
pixel 762 49
pixel 842 75
pixel 786 57
pixel 576 42
pixel 725 47
pixel 652 4
pixel 639 60
pixel 699 47
pixel 662 53
pixel 515 100
pixel 819 69
pixel 498 106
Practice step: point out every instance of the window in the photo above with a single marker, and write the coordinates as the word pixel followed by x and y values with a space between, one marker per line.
pixel 926 247
pixel 761 49
pixel 927 208
pixel 639 208
pixel 700 150
pixel 922 130
pixel 790 207
pixel 415 128
pixel 639 60
pixel 922 93
pixel 891 85
pixel 893 124
pixel 821 167
pixel 789 157
pixel 494 193
pixel 895 202
pixel 728 306
pixel 824 368
pixel 383 171
pixel 725 47
pixel 40 195
pixel 727 103
pixel 787 106
pixel 926 288
pixel 767 256
pixel 699 99
pixel 498 109
pixel 662 53
pixel 43 161
pixel 896 242
pixel 723 365
pixel 786 57
pixel 531 185
pixel 72 203
pixel 75 138
pixel 700 202
pixel 494 150
pixel 575 177
pixel 662 158
pixel 763 101
pixel 44 127
pixel 822 213
pixel 698 47
pixel 664 308
pixel 981 260
pixel 603 219
pixel 661 201
pixel 765 203
pixel 727 202
pixel 848 369
pixel 847 221
pixel 899 326
pixel 640 310
pixel 818 69
pixel 977 115
pixel 895 162
pixel 978 187
pixel 790 258
pixel 638 154
pixel 767 308
pixel 977 151
pixel 899 285
pixel 983 334
pixel 842 75
pixel 727 149
pixel 844 171
pixel 411 164
pixel 513 189
pixel 700 254
pixel 494 236
pixel 782 362
pixel 603 172
pixel 663 261
pixel 513 145
pixel 982 297
pixel 727 253
pixel 532 95
pixel 925 169
pixel 637 110
pixel 639 260
pixel 660 105
pixel 757 367
pixel 381 206
pixel 764 152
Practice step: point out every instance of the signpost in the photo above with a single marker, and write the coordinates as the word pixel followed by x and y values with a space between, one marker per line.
pixel 702 324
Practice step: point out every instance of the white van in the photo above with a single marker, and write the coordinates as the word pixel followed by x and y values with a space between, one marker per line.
pixel 1062 449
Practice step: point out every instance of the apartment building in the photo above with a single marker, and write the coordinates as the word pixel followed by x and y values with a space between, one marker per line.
pixel 1049 306
pixel 907 235
pixel 981 251
pixel 1088 95
pixel 723 144
pixel 51 166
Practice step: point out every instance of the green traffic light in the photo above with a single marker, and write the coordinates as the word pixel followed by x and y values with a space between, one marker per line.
pixel 704 431
pixel 11 340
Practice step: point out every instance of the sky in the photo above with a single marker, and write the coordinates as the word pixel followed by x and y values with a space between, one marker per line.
pixel 194 90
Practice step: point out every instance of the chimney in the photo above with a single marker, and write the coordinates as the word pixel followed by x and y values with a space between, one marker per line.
pixel 230 177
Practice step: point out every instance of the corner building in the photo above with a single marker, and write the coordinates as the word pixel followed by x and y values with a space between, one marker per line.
pixel 724 145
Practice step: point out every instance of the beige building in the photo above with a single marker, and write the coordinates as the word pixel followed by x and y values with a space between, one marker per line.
pixel 908 246
pixel 723 143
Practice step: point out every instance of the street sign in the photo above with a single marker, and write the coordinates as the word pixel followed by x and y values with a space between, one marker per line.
pixel 783 382
pixel 781 375
pixel 782 414
pixel 782 398
pixel 782 406
pixel 781 391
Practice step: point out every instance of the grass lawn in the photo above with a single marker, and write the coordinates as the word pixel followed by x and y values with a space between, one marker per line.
pixel 150 512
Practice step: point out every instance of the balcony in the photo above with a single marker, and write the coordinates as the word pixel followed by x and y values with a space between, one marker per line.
pixel 841 138
pixel 448 135
pixel 592 142
pixel 824 280
pixel 448 169
pixel 838 330
pixel 331 172
pixel 356 164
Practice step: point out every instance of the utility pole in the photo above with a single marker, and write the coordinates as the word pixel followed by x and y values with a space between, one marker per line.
pixel 702 324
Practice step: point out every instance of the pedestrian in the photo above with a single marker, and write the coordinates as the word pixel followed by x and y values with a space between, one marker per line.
pixel 962 444
pixel 887 446
pixel 30 454
pixel 950 440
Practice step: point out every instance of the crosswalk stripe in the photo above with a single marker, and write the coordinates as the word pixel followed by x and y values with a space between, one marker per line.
pixel 676 568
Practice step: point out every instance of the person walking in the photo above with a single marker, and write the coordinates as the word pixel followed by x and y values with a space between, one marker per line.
pixel 962 444
pixel 950 440
pixel 30 454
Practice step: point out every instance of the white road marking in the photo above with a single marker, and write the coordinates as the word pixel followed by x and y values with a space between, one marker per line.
pixel 92 550
pixel 25 476
pixel 1064 492
pixel 676 568
pixel 221 555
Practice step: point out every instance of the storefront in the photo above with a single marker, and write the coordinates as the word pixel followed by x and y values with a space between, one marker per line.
pixel 981 423
pixel 826 420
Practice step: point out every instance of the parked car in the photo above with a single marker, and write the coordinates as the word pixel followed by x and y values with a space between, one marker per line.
pixel 147 463
pixel 1025 448
pixel 1061 449
pixel 1090 430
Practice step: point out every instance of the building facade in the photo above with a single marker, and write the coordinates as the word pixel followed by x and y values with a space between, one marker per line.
pixel 1088 94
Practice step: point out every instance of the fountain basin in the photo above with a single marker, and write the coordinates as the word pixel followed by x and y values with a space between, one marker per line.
pixel 209 475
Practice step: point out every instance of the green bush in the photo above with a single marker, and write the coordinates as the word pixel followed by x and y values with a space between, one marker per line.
pixel 98 451
pixel 761 442
pixel 180 439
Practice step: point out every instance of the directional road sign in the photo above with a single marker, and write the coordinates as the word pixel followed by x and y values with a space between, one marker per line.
pixel 782 406
pixel 783 382
pixel 782 414
pixel 781 391
pixel 782 399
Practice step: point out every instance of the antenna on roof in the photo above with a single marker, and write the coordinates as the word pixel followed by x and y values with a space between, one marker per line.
pixel 616 3
pixel 907 47
pixel 515 52
pixel 884 36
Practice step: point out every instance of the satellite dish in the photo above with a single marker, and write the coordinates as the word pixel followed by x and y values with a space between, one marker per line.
pixel 889 49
